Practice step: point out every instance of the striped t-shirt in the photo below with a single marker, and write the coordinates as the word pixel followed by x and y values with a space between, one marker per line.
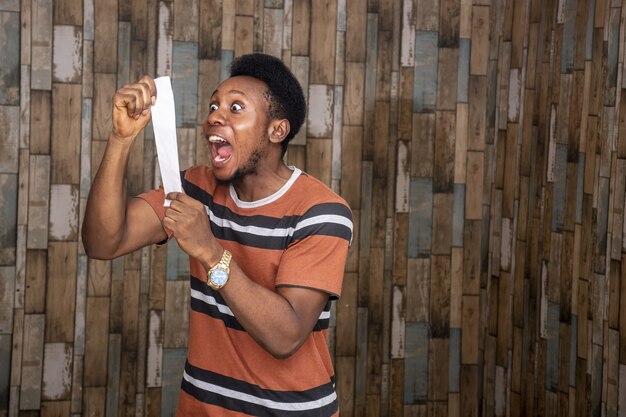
pixel 299 236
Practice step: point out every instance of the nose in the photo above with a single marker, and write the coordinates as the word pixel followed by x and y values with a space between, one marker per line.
pixel 215 117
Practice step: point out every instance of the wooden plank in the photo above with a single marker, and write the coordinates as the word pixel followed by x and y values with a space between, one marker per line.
pixel 300 69
pixel 176 302
pixel 139 19
pixel 477 122
pixel 210 32
pixel 442 226
pixel 244 42
pixel 113 404
pixel 407 44
pixel 10 131
pixel 480 40
pixel 345 384
pixel 443 169
pixel 66 132
pixel 425 76
pixel 68 54
pixel 94 401
pixel 438 359
pixel 164 35
pixel 185 83
pixel 351 165
pixel 32 362
pixel 356 21
pixel 420 217
pixel 416 363
pixel 40 121
pixel 154 362
pixel 354 89
pixel 34 300
pixel 449 23
pixel 440 297
pixel 320 114
pixel 63 212
pixel 398 322
pixel 337 136
pixel 38 201
pixel 96 341
pixel 427 15
pixel 61 285
pixel 173 364
pixel 381 139
pixel 104 88
pixel 105 36
pixel 130 311
pixel 7 299
pixel 273 21
pixel 301 22
pixel 346 317
pixel 10 71
pixel 228 26
pixel 418 290
pixel 322 49
pixel 319 156
pixel 57 371
pixel 8 211
pixel 41 50
pixel 422 145
pixel 186 18
pixel 124 54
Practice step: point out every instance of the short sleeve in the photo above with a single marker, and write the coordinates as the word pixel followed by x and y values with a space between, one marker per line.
pixel 156 198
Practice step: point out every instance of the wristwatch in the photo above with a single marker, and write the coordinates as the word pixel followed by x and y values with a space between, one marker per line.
pixel 217 276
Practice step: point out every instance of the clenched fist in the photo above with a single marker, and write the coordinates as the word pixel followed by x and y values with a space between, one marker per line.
pixel 131 108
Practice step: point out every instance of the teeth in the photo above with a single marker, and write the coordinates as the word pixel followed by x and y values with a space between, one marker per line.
pixel 218 158
pixel 217 139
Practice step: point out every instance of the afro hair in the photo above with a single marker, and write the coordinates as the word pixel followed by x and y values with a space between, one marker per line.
pixel 286 98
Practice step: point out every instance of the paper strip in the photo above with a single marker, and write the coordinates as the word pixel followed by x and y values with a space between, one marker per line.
pixel 164 125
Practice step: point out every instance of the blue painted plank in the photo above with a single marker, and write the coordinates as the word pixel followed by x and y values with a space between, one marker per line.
pixel 420 216
pixel 185 82
pixel 10 68
pixel 454 361
pixel 569 36
pixel 560 188
pixel 458 215
pixel 177 262
pixel 416 363
pixel 227 59
pixel 462 87
pixel 425 76
pixel 552 355
pixel 173 365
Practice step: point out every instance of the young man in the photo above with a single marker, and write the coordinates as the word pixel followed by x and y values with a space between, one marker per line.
pixel 267 245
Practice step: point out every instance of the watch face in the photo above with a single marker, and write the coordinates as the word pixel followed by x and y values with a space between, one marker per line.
pixel 219 277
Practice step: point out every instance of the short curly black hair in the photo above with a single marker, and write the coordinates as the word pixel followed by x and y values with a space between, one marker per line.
pixel 285 93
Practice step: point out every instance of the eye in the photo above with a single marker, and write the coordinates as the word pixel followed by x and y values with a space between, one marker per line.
pixel 236 107
pixel 213 107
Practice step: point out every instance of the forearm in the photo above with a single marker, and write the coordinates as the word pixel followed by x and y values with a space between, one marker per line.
pixel 105 214
pixel 268 316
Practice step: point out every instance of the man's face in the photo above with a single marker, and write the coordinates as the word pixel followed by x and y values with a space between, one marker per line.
pixel 237 127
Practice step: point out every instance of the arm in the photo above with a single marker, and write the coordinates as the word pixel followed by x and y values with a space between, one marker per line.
pixel 279 321
pixel 113 225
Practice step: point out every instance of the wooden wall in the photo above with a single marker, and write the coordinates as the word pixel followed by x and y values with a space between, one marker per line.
pixel 480 143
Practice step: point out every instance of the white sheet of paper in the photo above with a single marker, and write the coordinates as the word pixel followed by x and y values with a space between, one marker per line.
pixel 164 125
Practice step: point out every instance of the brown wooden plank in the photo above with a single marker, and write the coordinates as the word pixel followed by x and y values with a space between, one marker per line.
pixel 422 145
pixel 94 399
pixel 480 40
pixel 301 28
pixel 244 42
pixel 319 157
pixel 356 21
pixel 418 290
pixel 105 36
pixel 40 123
pixel 322 45
pixel 35 297
pixel 104 88
pixel 351 165
pixel 354 90
pixel 176 302
pixel 186 16
pixel 96 341
pixel 61 286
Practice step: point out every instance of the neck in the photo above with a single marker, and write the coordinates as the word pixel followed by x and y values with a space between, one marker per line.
pixel 265 182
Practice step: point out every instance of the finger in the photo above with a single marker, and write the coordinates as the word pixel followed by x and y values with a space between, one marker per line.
pixel 149 81
pixel 146 97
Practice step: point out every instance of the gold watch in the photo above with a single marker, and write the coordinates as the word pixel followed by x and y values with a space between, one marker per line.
pixel 217 276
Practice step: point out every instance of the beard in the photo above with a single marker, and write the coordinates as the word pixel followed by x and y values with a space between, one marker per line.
pixel 249 167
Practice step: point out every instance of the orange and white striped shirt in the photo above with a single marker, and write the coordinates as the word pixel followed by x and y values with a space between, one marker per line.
pixel 299 236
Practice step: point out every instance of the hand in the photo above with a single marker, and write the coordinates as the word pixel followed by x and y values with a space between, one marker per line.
pixel 131 108
pixel 187 219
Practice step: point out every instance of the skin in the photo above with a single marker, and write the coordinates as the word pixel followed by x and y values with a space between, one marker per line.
pixel 280 320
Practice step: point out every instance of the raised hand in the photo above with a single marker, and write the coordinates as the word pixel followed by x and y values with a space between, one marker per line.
pixel 131 108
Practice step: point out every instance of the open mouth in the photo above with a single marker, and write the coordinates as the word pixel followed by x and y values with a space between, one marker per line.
pixel 221 150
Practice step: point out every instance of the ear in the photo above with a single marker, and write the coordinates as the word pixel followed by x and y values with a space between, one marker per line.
pixel 278 130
